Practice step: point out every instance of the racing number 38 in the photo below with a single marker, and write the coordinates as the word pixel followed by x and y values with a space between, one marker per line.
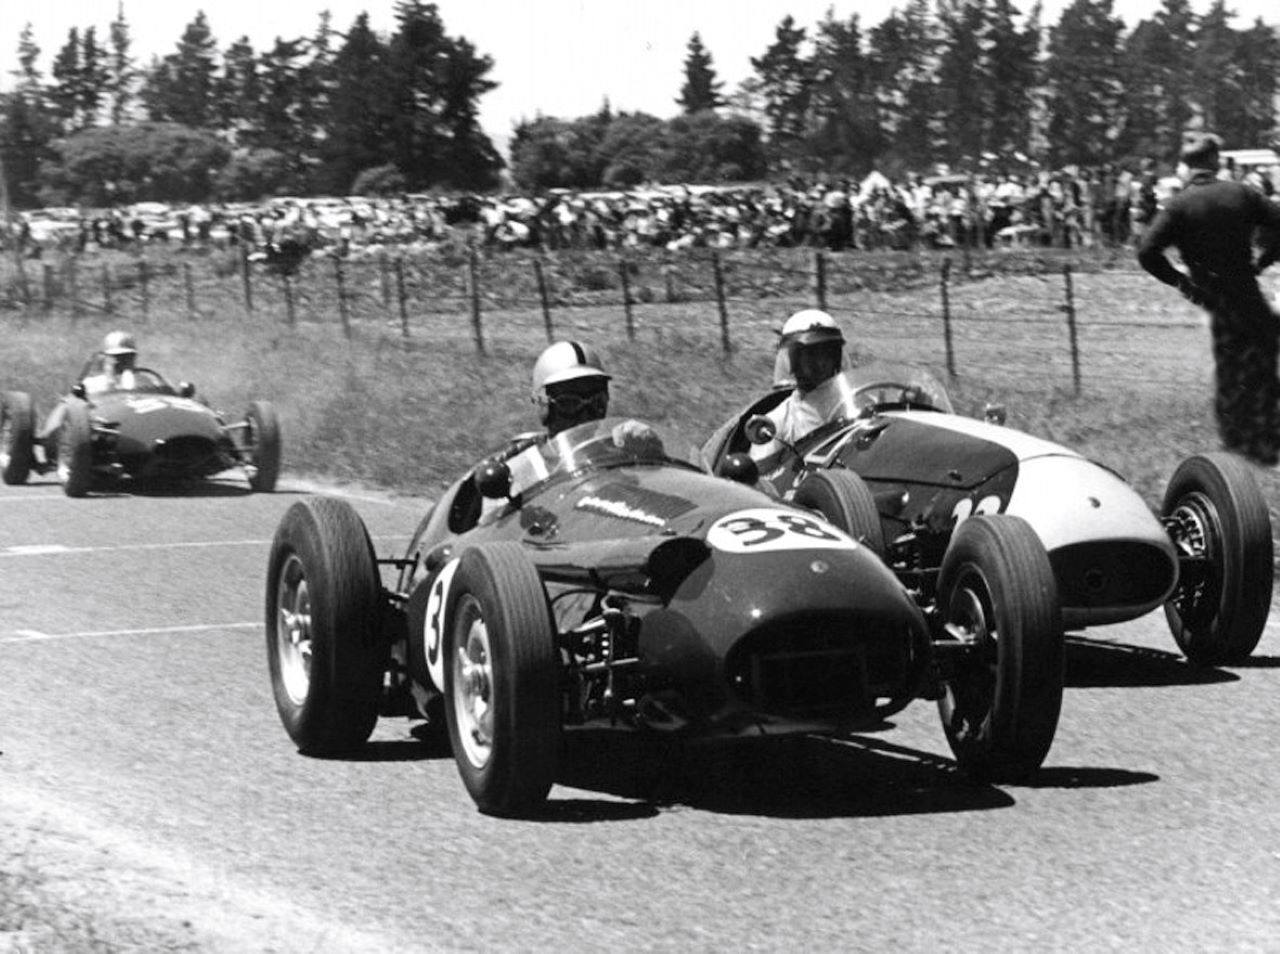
pixel 761 530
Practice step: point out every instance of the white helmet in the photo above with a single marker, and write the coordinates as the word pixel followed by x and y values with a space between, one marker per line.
pixel 119 342
pixel 565 361
pixel 811 326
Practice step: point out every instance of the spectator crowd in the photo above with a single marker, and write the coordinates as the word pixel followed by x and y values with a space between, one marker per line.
pixel 1072 207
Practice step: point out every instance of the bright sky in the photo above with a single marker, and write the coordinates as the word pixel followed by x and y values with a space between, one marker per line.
pixel 551 57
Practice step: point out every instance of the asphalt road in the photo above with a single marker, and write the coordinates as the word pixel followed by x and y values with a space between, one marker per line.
pixel 145 779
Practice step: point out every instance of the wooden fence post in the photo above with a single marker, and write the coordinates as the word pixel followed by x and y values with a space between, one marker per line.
pixel 946 316
pixel 107 304
pixel 718 272
pixel 473 277
pixel 400 298
pixel 385 278
pixel 341 280
pixel 820 278
pixel 626 297
pixel 1070 308
pixel 46 279
pixel 244 278
pixel 668 274
pixel 144 278
pixel 542 297
pixel 192 314
pixel 289 316
pixel 73 286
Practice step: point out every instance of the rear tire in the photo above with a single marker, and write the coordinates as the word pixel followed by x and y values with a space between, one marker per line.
pixel 17 437
pixel 75 450
pixel 843 498
pixel 998 594
pixel 502 692
pixel 1216 512
pixel 264 446
pixel 325 648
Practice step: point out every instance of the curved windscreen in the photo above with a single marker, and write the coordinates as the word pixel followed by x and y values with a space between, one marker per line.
pixel 881 384
pixel 615 442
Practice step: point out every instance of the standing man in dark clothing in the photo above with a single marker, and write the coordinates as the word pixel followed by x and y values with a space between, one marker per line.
pixel 1212 223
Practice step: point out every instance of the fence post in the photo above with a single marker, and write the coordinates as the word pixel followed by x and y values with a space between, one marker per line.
pixel 668 274
pixel 244 278
pixel 946 316
pixel 820 278
pixel 144 279
pixel 473 277
pixel 1070 309
pixel 107 305
pixel 626 297
pixel 192 314
pixel 400 298
pixel 718 271
pixel 342 296
pixel 385 278
pixel 73 286
pixel 46 279
pixel 542 296
pixel 289 316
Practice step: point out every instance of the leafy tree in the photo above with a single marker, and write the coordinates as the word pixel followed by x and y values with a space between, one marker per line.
pixel 844 133
pixel 148 161
pixel 1259 58
pixel 1013 53
pixel 705 147
pixel 551 153
pixel 785 84
pixel 1085 83
pixel 380 180
pixel 282 81
pixel 237 92
pixel 359 122
pixel 632 149
pixel 120 72
pixel 701 89
pixel 180 88
pixel 253 174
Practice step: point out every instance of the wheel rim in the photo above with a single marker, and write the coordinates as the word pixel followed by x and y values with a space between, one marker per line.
pixel 1198 534
pixel 6 439
pixel 971 694
pixel 251 439
pixel 293 630
pixel 473 683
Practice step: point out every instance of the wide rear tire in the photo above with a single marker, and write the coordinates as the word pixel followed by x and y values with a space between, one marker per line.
pixel 502 691
pixel 75 450
pixel 17 437
pixel 844 499
pixel 1002 698
pixel 1221 526
pixel 263 438
pixel 325 648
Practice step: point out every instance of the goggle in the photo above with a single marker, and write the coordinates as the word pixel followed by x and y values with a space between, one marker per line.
pixel 576 405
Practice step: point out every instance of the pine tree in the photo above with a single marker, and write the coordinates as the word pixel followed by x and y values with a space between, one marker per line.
pixel 785 83
pixel 701 89
pixel 120 73
pixel 181 87
pixel 843 129
pixel 1085 83
pixel 1014 53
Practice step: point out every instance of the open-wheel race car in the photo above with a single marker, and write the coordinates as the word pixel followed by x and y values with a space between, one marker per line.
pixel 600 579
pixel 145 429
pixel 895 466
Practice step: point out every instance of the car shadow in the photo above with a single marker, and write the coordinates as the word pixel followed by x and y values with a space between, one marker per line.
pixel 787 777
pixel 1258 662
pixel 1094 664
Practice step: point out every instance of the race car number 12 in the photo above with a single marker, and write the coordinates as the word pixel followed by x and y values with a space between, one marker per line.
pixel 758 531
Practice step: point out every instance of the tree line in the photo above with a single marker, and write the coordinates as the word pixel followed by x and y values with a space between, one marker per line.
pixel 968 83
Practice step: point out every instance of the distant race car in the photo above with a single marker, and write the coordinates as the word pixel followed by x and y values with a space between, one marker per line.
pixel 897 467
pixel 150 431
pixel 597 579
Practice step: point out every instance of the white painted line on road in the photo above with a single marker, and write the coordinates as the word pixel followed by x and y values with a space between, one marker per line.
pixel 59 549
pixel 34 635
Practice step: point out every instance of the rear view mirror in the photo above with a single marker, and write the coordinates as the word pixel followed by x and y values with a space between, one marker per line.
pixel 186 389
pixel 493 480
pixel 759 429
pixel 995 413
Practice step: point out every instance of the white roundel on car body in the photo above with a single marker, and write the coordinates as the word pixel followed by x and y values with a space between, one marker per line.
pixel 769 529
pixel 435 623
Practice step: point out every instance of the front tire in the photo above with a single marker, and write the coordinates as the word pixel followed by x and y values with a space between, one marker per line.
pixel 502 694
pixel 998 596
pixel 17 437
pixel 75 450
pixel 1221 527
pixel 325 648
pixel 263 434
pixel 843 499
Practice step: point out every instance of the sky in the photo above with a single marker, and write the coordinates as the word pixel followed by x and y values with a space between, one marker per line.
pixel 551 57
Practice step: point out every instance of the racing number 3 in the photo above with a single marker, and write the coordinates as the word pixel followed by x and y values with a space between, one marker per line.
pixel 757 531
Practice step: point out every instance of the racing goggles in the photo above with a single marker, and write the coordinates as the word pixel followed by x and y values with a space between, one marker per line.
pixel 580 405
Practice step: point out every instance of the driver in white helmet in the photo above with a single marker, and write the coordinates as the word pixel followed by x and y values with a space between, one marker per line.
pixel 111 369
pixel 814 347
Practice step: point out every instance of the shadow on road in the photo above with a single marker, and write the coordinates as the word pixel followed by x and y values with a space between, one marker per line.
pixel 1093 664
pixel 1258 662
pixel 795 777
pixel 1061 776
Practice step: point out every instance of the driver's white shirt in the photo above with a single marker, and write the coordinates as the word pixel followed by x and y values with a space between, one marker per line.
pixel 103 382
pixel 801 413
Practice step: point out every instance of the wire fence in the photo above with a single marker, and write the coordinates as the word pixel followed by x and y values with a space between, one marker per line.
pixel 1079 318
